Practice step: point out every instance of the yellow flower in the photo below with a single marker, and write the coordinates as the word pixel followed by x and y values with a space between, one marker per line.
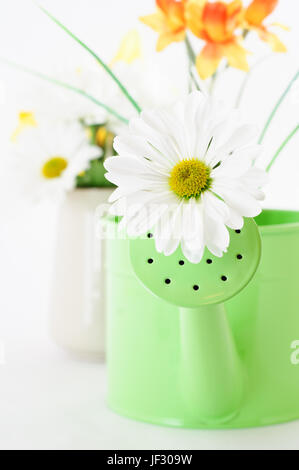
pixel 130 48
pixel 168 21
pixel 255 14
pixel 25 119
pixel 216 23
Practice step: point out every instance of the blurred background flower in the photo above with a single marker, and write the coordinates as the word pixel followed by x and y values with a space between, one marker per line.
pixel 169 21
pixel 255 14
pixel 217 25
pixel 48 159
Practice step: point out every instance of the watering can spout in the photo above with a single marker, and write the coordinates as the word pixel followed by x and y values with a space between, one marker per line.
pixel 212 373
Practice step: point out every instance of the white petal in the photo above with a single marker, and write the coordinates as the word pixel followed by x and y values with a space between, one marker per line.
pixel 192 106
pixel 168 231
pixel 255 177
pixel 241 137
pixel 241 202
pixel 165 241
pixel 120 192
pixel 193 242
pixel 126 165
pixel 145 219
pixel 170 126
pixel 212 123
pixel 216 235
pixel 151 206
pixel 194 255
pixel 233 166
pixel 234 220
pixel 128 145
pixel 161 142
pixel 214 207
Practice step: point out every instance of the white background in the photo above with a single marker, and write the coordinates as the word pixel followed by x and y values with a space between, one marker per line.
pixel 26 233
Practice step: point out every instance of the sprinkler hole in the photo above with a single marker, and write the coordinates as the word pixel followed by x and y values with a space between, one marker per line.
pixel 149 235
pixel 209 261
pixel 223 278
pixel 150 260
pixel 239 256
pixel 195 287
pixel 181 262
pixel 238 231
pixel 167 281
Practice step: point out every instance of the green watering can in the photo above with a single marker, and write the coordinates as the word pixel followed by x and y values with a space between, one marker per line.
pixel 192 346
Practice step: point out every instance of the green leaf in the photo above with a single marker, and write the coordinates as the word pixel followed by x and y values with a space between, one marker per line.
pixel 94 177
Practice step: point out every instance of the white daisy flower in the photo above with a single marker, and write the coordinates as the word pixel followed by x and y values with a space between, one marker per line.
pixel 186 174
pixel 48 159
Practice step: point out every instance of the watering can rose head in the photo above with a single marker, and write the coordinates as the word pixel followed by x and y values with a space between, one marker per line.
pixel 185 174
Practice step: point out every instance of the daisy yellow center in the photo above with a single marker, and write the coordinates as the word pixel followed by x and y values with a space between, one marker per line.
pixel 189 178
pixel 54 167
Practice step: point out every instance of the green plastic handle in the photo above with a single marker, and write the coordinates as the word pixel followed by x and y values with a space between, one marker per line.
pixel 212 374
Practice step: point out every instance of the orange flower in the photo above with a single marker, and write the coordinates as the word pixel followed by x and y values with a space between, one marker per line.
pixel 216 23
pixel 255 14
pixel 168 21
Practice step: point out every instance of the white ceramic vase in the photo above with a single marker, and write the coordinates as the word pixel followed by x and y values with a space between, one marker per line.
pixel 77 298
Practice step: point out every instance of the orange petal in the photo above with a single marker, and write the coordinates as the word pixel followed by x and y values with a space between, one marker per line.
pixel 214 19
pixel 236 55
pixel 234 15
pixel 282 26
pixel 156 21
pixel 174 13
pixel 273 40
pixel 194 10
pixel 258 10
pixel 170 5
pixel 221 19
pixel 165 39
pixel 208 60
pixel 164 5
pixel 234 7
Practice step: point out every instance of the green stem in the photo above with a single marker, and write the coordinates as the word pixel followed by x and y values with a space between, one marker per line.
pixel 190 51
pixel 192 58
pixel 282 146
pixel 276 107
pixel 67 86
pixel 96 57
pixel 190 65
pixel 245 33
